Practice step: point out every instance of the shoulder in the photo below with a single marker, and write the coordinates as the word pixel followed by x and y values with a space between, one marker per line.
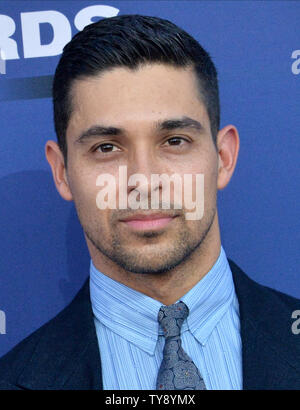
pixel 257 295
pixel 267 310
pixel 13 362
pixel 49 341
pixel 270 347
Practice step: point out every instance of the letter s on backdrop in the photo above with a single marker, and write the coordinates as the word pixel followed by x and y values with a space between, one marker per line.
pixel 85 16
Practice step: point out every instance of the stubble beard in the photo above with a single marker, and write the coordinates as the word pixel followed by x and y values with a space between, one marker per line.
pixel 161 261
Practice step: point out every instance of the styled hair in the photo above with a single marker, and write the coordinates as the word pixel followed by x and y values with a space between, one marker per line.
pixel 130 41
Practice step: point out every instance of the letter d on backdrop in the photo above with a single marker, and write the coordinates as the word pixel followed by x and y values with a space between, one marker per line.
pixel 32 35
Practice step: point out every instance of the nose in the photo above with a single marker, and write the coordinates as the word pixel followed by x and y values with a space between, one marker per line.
pixel 143 162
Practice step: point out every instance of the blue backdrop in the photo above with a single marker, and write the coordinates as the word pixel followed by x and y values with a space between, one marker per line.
pixel 256 48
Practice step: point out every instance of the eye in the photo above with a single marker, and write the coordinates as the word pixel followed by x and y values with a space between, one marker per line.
pixel 106 147
pixel 176 141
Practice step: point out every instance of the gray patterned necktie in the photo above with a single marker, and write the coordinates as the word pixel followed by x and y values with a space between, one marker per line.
pixel 177 370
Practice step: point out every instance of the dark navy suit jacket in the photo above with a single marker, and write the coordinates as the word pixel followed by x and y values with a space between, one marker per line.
pixel 64 353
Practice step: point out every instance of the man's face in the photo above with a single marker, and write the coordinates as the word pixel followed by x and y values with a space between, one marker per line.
pixel 138 104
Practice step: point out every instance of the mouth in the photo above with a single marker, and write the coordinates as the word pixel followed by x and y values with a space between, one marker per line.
pixel 148 222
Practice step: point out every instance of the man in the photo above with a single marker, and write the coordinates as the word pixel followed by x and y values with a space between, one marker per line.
pixel 164 308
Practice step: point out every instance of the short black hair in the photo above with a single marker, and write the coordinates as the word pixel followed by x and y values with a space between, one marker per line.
pixel 130 41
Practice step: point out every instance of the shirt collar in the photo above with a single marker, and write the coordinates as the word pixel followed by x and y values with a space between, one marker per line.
pixel 133 315
pixel 209 299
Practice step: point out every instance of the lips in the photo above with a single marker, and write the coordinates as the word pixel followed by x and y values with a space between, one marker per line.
pixel 148 221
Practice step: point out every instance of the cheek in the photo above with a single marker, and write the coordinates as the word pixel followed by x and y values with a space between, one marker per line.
pixel 205 164
pixel 204 182
pixel 196 192
pixel 84 191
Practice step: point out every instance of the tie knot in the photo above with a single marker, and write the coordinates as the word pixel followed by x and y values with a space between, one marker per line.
pixel 171 318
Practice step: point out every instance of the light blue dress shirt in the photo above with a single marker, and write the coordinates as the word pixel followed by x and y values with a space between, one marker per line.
pixel 131 341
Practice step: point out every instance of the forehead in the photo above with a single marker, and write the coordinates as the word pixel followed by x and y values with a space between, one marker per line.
pixel 123 97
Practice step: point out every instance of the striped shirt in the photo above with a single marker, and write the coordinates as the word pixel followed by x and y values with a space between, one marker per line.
pixel 131 341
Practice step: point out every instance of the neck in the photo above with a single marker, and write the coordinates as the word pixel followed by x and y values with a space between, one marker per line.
pixel 169 287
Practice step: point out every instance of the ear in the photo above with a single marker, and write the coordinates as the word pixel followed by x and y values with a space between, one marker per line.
pixel 228 144
pixel 56 161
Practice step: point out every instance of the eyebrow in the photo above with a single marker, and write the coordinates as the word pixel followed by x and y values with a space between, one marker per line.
pixel 98 131
pixel 169 124
pixel 179 123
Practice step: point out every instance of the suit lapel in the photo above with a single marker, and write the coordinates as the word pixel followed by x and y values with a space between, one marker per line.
pixel 270 352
